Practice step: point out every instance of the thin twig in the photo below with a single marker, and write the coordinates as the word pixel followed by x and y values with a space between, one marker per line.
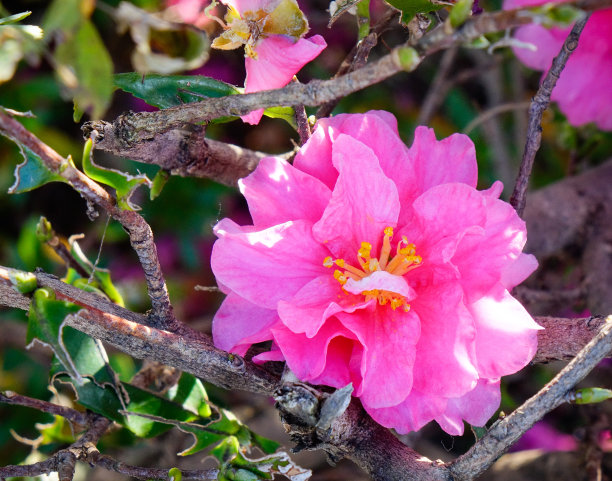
pixel 9 397
pixel 141 236
pixel 492 112
pixel 435 94
pixel 538 105
pixel 507 431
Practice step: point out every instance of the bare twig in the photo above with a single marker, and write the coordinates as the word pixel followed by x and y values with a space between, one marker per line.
pixel 435 94
pixel 141 236
pixel 303 128
pixel 492 112
pixel 538 105
pixel 506 432
pixel 9 397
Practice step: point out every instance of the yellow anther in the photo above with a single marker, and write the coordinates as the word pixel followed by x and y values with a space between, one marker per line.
pixel 339 262
pixel 328 261
pixel 388 231
pixel 365 250
pixel 396 302
pixel 340 277
pixel 373 265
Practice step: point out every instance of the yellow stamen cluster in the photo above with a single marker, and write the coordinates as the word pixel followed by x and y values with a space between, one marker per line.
pixel 404 260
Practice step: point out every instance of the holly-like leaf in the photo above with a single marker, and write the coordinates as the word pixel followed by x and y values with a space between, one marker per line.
pixel 165 91
pixel 32 173
pixel 124 184
pixel 409 8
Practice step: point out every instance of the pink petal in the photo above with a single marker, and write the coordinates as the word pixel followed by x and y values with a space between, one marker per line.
pixel 435 162
pixel 242 6
pixel 381 280
pixel 476 407
pixel 278 192
pixel 279 58
pixel 388 338
pixel 238 323
pixel 322 358
pixel 518 271
pixel 506 335
pixel 375 129
pixel 444 359
pixel 269 265
pixel 363 203
pixel 317 301
pixel 411 414
pixel 275 354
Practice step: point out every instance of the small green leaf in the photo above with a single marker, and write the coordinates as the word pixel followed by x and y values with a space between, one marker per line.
pixel 159 181
pixel 32 173
pixel 592 395
pixel 410 8
pixel 363 18
pixel 24 282
pixel 285 113
pixel 124 184
pixel 479 43
pixel 190 393
pixel 165 91
pixel 175 474
pixel 460 12
pixel 407 58
pixel 59 431
pixel 478 431
pixel 18 17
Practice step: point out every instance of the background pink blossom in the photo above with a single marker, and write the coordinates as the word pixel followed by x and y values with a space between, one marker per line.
pixel 455 330
pixel 584 90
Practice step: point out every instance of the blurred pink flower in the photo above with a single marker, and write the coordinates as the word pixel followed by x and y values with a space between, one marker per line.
pixel 584 91
pixel 545 437
pixel 271 32
pixel 374 263
pixel 189 11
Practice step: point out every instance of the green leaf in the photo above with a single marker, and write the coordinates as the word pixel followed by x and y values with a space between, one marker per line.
pixel 190 393
pixel 32 173
pixel 410 8
pixel 159 181
pixel 24 282
pixel 66 15
pixel 235 465
pixel 460 12
pixel 124 184
pixel 59 431
pixel 285 113
pixel 85 68
pixel 18 17
pixel 46 319
pixel 592 395
pixel 363 18
pixel 478 432
pixel 165 91
pixel 175 474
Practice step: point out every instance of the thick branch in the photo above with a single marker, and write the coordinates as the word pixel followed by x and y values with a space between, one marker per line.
pixel 182 151
pixel 538 105
pixel 141 236
pixel 507 431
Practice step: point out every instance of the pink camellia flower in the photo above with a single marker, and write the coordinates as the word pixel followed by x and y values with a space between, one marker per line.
pixel 271 32
pixel 583 91
pixel 380 265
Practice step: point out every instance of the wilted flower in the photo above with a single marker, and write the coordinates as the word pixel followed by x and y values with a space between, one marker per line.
pixel 380 265
pixel 271 32
pixel 583 91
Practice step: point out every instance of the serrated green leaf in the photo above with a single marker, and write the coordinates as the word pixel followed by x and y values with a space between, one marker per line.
pixel 165 91
pixel 85 68
pixel 124 184
pixel 409 8
pixel 32 173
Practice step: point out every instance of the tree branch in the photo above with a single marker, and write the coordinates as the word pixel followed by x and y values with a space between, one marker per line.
pixel 538 105
pixel 507 431
pixel 141 236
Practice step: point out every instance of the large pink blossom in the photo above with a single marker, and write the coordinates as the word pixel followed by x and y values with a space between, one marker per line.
pixel 584 90
pixel 271 32
pixel 380 265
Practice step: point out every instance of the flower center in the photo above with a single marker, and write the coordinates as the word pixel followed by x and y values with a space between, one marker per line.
pixel 404 260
